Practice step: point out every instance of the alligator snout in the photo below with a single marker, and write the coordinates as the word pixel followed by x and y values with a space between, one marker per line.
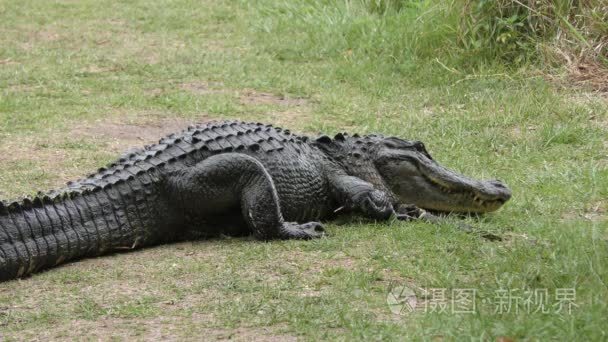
pixel 503 191
pixel 498 183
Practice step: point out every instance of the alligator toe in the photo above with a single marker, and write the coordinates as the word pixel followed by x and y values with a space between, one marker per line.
pixel 306 231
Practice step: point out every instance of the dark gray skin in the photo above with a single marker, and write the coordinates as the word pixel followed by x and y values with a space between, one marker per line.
pixel 232 178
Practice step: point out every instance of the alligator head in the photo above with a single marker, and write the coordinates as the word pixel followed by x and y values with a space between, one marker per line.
pixel 412 174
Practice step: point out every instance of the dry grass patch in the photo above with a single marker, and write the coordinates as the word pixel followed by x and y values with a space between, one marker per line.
pixel 47 164
pixel 590 75
pixel 120 41
pixel 203 88
pixel 59 157
pixel 294 112
pixel 252 97
pixel 188 327
pixel 7 61
pixel 122 132
pixel 594 212
pixel 313 263
pixel 34 38
pixel 34 148
pixel 294 118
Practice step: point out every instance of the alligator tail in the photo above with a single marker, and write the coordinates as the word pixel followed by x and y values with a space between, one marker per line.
pixel 51 229
pixel 120 207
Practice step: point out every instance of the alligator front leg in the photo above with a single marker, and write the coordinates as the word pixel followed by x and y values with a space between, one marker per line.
pixel 227 181
pixel 355 194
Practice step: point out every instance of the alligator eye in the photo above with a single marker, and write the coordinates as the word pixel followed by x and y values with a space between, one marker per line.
pixel 419 146
pixel 389 145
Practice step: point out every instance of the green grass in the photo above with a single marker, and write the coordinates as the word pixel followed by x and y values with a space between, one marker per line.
pixel 66 68
pixel 556 31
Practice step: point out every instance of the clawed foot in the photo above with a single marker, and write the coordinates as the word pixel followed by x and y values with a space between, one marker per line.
pixel 412 212
pixel 374 204
pixel 306 231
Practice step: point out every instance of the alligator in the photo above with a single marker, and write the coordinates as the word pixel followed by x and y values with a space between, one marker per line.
pixel 232 178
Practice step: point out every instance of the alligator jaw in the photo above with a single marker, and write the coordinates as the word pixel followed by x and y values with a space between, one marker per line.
pixel 446 190
pixel 413 175
pixel 461 194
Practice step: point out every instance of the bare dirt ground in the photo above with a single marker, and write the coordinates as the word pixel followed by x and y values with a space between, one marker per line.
pixel 119 134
